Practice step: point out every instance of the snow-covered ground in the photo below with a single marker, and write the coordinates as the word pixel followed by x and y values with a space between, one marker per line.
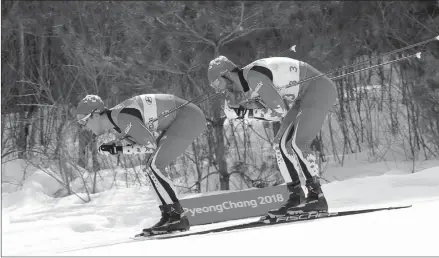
pixel 35 224
pixel 401 232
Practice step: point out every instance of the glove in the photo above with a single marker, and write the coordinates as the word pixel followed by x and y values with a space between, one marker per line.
pixel 107 149
pixel 240 112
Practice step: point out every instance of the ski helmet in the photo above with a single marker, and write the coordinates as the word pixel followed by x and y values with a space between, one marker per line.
pixel 88 105
pixel 217 67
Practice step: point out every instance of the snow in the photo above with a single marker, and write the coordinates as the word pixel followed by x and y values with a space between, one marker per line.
pixel 35 223
pixel 13 173
pixel 384 233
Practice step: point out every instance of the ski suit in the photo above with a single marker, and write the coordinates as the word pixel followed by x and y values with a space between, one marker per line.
pixel 177 131
pixel 301 108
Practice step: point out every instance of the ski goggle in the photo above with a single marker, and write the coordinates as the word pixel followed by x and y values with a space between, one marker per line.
pixel 83 118
pixel 228 83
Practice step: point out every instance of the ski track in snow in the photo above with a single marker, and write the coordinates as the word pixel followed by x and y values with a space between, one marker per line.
pixel 36 225
pixel 382 233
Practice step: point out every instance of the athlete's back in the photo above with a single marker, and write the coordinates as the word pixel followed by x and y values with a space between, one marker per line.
pixel 147 107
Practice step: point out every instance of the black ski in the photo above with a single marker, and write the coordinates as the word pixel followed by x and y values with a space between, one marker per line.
pixel 281 220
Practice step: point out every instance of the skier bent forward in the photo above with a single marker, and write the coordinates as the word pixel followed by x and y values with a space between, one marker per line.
pixel 268 87
pixel 131 120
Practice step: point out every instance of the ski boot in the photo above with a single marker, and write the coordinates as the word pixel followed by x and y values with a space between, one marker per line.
pixel 162 221
pixel 176 220
pixel 314 202
pixel 297 196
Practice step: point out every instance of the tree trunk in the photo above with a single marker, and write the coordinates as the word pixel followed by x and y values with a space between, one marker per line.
pixel 197 166
pixel 59 134
pixel 232 128
pixel 94 153
pixel 21 141
pixel 41 70
pixel 83 140
pixel 218 127
pixel 220 153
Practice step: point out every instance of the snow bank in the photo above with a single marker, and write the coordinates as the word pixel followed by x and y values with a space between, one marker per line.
pixel 42 181
pixel 31 195
pixel 33 187
pixel 355 167
pixel 24 184
pixel 108 179
pixel 13 174
pixel 380 190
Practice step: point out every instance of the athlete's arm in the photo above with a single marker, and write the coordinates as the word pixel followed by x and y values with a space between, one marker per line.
pixel 145 141
pixel 263 86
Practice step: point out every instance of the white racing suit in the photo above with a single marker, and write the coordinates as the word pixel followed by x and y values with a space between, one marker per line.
pixel 302 110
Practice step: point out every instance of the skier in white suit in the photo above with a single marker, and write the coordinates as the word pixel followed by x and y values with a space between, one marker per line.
pixel 266 89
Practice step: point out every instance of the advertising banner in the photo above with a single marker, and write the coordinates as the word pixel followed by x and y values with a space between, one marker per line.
pixel 234 205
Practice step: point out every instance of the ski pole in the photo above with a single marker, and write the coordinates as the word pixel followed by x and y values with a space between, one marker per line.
pixel 417 55
pixel 164 114
pixel 167 112
pixel 388 53
pixel 363 62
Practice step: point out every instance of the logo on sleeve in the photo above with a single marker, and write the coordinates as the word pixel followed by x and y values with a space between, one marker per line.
pixel 148 100
pixel 150 124
pixel 127 129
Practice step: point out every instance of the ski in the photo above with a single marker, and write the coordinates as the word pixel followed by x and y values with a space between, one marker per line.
pixel 254 224
pixel 309 216
pixel 151 235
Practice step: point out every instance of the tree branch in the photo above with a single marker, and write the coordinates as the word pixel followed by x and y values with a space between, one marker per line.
pixel 194 33
pixel 243 34
pixel 163 68
pixel 237 28
pixel 258 134
pixel 204 177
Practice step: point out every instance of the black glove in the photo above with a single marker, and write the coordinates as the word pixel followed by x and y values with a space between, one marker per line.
pixel 240 112
pixel 112 149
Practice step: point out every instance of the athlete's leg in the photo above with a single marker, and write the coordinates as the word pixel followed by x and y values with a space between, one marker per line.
pixel 317 100
pixel 315 104
pixel 288 163
pixel 186 127
pixel 294 154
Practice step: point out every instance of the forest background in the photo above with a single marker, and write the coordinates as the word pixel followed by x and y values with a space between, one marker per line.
pixel 56 52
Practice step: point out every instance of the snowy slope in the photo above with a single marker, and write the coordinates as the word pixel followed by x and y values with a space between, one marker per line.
pixel 35 224
pixel 385 233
